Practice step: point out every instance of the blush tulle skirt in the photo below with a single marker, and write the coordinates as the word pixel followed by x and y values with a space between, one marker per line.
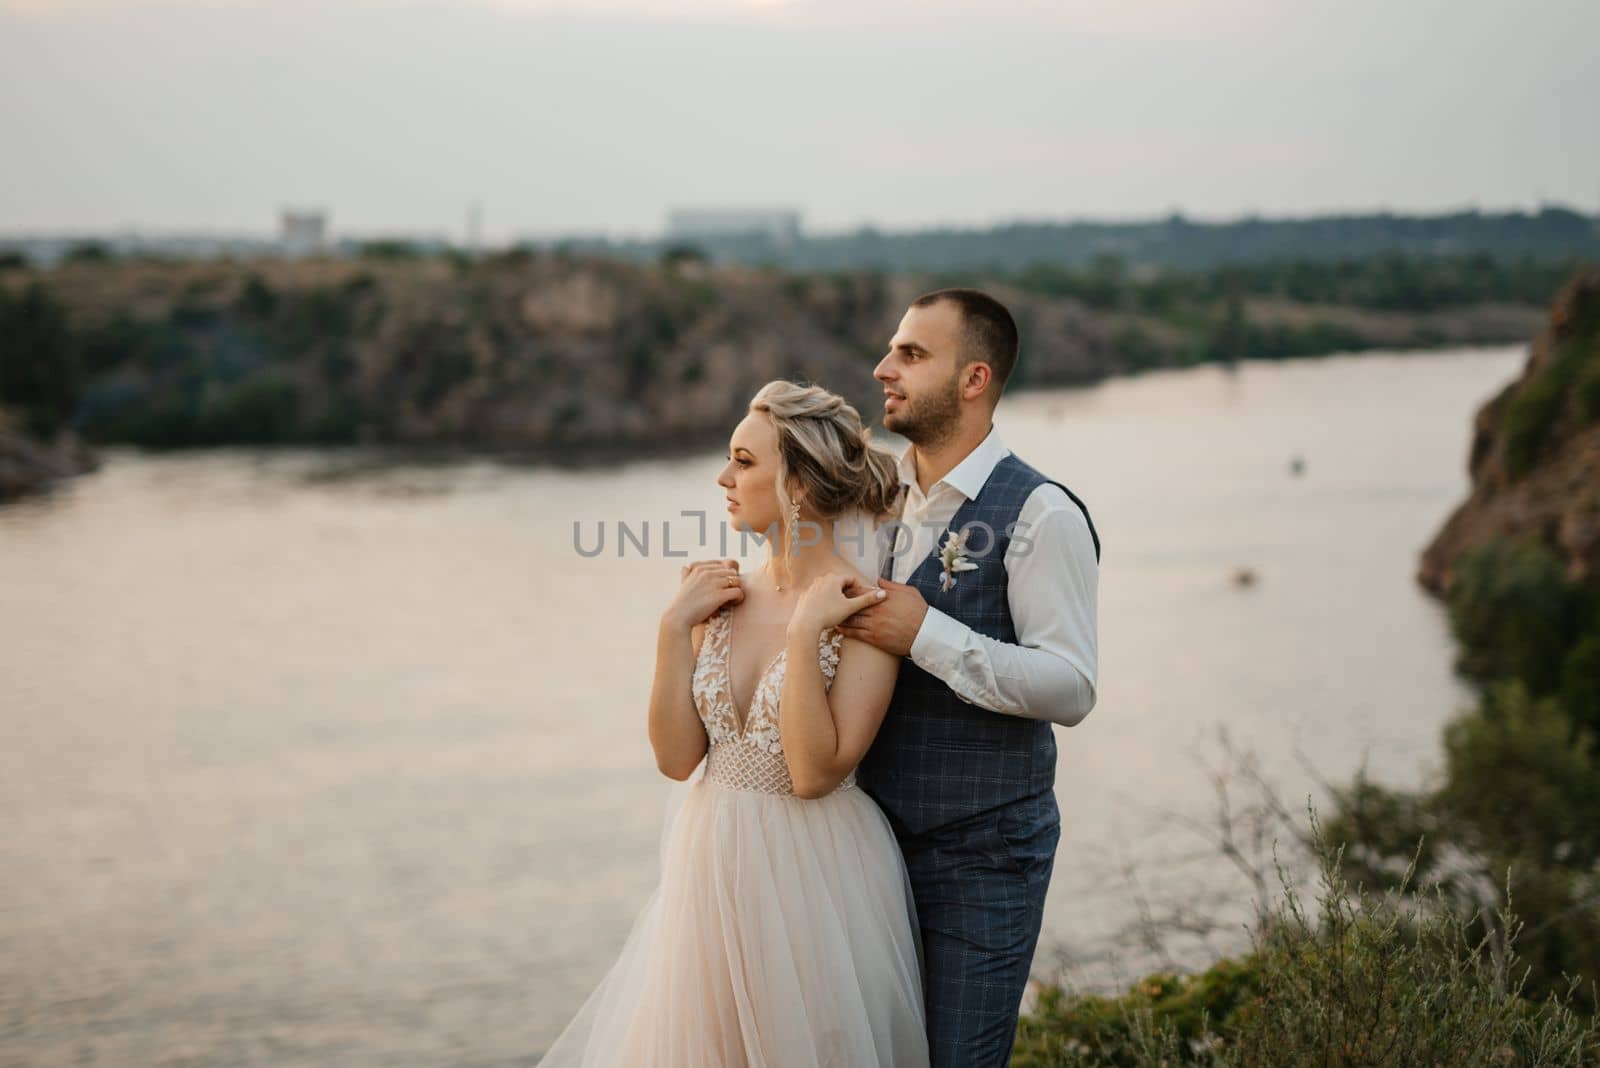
pixel 782 935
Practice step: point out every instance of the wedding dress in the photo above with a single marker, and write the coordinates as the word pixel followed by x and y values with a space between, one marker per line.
pixel 782 932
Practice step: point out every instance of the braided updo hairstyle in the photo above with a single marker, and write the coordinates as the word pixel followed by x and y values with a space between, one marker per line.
pixel 827 453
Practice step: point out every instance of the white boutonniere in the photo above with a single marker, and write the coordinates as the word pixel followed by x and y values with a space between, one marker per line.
pixel 953 559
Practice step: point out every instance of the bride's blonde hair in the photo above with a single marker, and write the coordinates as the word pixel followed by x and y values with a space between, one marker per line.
pixel 827 454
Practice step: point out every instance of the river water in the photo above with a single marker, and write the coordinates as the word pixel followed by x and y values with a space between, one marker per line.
pixel 310 758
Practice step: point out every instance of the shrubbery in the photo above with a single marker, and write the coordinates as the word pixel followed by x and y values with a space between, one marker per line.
pixel 1364 980
pixel 1207 308
pixel 1571 377
pixel 1520 786
pixel 1514 615
pixel 1391 282
pixel 41 372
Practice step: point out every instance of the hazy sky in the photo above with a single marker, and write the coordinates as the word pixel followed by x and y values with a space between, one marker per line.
pixel 165 115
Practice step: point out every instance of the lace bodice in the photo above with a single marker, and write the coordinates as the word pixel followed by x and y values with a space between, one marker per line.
pixel 752 758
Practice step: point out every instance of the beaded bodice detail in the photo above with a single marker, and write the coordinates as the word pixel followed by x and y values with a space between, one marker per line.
pixel 750 758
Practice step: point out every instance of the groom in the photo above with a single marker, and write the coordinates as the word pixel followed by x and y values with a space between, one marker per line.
pixel 997 648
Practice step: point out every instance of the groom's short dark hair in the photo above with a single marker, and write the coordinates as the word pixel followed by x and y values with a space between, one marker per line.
pixel 991 333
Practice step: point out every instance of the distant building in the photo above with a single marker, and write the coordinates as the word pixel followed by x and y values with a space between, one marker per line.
pixel 780 226
pixel 303 233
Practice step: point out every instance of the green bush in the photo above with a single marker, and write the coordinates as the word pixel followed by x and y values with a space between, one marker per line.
pixel 1514 614
pixel 340 422
pixel 41 372
pixel 1532 414
pixel 1065 1028
pixel 1138 348
pixel 1520 786
pixel 1521 782
pixel 1580 682
pixel 1388 282
pixel 261 410
pixel 256 300
pixel 676 255
pixel 389 249
pixel 1589 393
pixel 1573 371
pixel 431 359
pixel 307 319
pixel 1365 979
pixel 89 252
pixel 1370 981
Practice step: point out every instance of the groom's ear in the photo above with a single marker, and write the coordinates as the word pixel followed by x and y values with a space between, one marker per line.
pixel 975 379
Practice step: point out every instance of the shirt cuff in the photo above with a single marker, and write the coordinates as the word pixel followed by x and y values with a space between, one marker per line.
pixel 937 647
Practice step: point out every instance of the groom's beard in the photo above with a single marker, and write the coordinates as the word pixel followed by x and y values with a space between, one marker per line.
pixel 930 421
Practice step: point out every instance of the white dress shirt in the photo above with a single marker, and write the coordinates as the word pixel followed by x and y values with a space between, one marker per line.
pixel 1051 588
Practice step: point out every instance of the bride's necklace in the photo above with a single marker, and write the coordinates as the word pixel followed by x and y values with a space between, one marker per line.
pixel 776 584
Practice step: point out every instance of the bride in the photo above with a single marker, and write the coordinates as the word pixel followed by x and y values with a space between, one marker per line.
pixel 782 932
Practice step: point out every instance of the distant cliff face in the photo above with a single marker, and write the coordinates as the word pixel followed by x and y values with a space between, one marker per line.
pixel 1535 458
pixel 530 351
pixel 560 355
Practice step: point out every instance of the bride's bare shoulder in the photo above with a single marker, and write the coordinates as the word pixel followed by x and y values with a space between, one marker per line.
pixel 847 569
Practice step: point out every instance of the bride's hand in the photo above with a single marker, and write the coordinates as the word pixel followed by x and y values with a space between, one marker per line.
pixel 827 603
pixel 706 586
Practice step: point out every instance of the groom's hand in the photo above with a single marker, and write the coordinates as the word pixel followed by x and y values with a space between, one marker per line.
pixel 893 622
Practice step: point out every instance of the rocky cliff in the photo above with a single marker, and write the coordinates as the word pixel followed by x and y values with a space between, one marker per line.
pixel 30 466
pixel 553 354
pixel 1535 456
pixel 537 351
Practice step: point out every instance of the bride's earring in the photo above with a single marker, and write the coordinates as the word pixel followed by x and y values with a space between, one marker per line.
pixel 794 534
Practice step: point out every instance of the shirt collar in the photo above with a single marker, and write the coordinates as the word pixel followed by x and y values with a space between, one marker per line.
pixel 970 474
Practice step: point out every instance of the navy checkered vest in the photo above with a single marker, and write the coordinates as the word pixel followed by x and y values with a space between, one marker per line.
pixel 938 759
